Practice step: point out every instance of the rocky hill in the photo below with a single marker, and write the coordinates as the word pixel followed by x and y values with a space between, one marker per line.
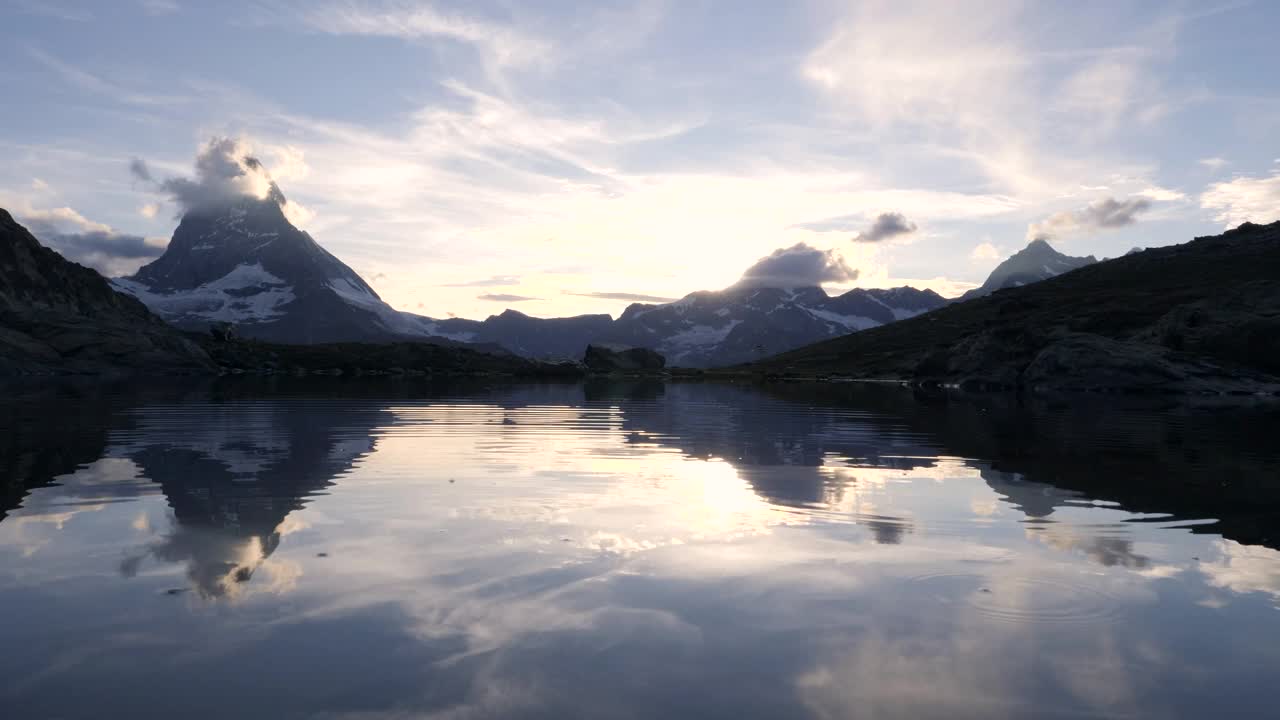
pixel 1201 316
pixel 57 315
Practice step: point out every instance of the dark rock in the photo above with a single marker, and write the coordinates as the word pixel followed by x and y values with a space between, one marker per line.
pixel 607 358
pixel 59 317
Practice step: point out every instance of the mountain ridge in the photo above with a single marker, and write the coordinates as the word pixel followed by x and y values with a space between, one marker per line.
pixel 1203 316
pixel 247 265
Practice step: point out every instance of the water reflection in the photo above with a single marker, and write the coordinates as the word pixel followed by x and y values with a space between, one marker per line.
pixel 635 550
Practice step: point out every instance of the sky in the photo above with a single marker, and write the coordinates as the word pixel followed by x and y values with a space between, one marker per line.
pixel 563 158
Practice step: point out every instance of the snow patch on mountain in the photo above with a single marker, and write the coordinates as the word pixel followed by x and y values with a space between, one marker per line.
pixel 246 294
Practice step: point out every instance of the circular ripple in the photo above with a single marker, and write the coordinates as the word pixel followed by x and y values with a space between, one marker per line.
pixel 1027 601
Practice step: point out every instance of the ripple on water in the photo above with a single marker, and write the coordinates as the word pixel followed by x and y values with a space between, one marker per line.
pixel 1025 600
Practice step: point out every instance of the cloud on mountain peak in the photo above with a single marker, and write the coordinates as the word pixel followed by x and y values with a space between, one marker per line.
pixel 800 265
pixel 226 170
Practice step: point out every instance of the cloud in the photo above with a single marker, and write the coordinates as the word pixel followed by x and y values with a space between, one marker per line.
pixel 887 225
pixel 631 297
pixel 89 243
pixel 138 168
pixel 985 251
pixel 1214 163
pixel 159 7
pixel 1160 194
pixel 226 170
pixel 1244 199
pixel 800 265
pixel 503 297
pixel 493 281
pixel 56 10
pixel 1104 214
pixel 149 210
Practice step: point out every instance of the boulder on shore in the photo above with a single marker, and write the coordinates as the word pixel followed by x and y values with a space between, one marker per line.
pixel 607 358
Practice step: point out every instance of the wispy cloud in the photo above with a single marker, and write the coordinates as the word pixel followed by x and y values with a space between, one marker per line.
pixel 504 297
pixel 500 45
pixel 629 297
pixel 159 7
pixel 493 281
pixel 93 83
pixel 52 9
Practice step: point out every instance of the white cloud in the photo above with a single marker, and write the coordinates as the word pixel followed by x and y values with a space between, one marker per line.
pixel 923 63
pixel 985 251
pixel 1244 199
pixel 1244 569
pixel 1214 163
pixel 85 241
pixel 1160 194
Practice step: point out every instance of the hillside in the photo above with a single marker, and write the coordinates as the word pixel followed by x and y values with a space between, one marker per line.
pixel 57 314
pixel 1204 315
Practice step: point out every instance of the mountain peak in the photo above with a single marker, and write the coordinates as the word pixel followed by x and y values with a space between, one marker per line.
pixel 243 262
pixel 1035 262
pixel 1040 244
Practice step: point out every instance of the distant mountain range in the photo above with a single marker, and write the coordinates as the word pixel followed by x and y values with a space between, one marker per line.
pixel 57 317
pixel 704 329
pixel 247 265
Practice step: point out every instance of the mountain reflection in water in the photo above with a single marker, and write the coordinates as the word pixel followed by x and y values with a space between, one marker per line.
pixel 634 549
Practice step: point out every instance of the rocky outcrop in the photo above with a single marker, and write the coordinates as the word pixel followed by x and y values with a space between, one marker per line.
pixel 609 358
pixel 60 317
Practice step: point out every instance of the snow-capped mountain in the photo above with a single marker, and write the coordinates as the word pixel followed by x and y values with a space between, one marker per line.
pixel 1037 261
pixel 742 323
pixel 246 264
pixel 704 329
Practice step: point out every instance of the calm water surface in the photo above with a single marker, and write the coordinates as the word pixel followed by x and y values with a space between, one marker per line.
pixel 634 551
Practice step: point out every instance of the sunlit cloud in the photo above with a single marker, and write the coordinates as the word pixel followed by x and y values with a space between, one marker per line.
pixel 1244 199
